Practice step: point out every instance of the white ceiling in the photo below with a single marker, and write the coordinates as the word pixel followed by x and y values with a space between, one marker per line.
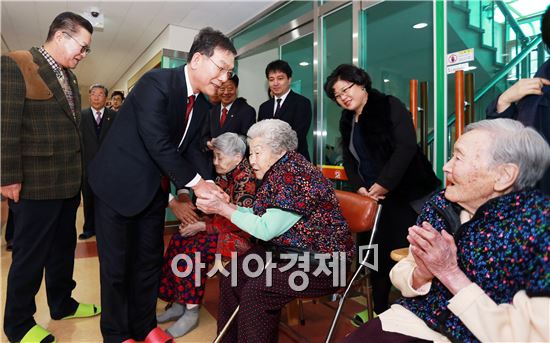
pixel 129 27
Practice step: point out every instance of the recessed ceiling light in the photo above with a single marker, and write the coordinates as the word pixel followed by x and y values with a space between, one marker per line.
pixel 304 64
pixel 386 80
pixel 420 25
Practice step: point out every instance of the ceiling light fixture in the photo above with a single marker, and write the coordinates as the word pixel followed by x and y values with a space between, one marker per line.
pixel 420 25
pixel 304 64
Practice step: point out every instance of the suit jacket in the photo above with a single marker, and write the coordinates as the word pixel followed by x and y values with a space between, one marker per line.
pixel 90 140
pixel 296 110
pixel 389 137
pixel 240 118
pixel 143 143
pixel 41 146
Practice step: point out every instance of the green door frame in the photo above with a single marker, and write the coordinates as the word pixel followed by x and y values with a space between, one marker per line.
pixel 440 86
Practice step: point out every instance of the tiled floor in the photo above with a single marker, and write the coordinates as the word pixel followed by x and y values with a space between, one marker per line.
pixel 86 274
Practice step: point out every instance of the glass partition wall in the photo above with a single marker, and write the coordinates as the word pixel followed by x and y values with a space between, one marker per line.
pixel 315 45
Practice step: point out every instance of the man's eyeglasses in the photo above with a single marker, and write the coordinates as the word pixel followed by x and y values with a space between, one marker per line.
pixel 343 91
pixel 229 72
pixel 85 49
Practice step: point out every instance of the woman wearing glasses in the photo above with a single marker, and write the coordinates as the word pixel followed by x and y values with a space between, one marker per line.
pixel 382 161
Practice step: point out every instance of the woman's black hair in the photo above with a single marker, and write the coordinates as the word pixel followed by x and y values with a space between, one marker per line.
pixel 350 73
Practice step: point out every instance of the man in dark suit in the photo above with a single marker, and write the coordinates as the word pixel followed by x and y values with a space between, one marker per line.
pixel 157 132
pixel 94 124
pixel 232 114
pixel 42 173
pixel 287 105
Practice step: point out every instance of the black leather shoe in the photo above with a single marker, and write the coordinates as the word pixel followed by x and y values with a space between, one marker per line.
pixel 86 235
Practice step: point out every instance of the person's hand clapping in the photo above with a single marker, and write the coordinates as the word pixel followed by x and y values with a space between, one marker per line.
pixel 437 251
pixel 421 274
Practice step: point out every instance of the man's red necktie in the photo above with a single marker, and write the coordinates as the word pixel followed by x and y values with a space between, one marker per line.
pixel 190 103
pixel 224 116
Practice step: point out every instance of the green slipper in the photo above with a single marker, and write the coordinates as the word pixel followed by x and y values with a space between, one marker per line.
pixel 361 318
pixel 38 334
pixel 84 311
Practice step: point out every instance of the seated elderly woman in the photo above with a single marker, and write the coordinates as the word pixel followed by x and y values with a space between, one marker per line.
pixel 214 235
pixel 477 268
pixel 296 213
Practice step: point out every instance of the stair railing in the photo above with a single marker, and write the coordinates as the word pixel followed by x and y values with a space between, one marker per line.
pixel 512 22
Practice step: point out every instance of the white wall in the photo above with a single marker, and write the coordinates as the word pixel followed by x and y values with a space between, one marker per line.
pixel 172 37
pixel 252 82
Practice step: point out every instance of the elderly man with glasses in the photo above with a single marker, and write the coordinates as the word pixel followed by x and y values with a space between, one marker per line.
pixel 41 167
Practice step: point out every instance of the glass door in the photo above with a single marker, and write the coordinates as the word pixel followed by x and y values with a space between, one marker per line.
pixel 299 55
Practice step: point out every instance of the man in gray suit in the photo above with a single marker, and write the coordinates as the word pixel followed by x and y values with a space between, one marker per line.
pixel 41 174
pixel 94 125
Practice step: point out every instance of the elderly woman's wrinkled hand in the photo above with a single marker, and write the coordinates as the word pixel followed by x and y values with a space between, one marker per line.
pixel 435 250
pixel 187 230
pixel 421 274
pixel 210 203
pixel 204 189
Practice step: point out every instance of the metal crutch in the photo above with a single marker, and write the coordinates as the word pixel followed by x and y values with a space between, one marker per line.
pixel 233 316
pixel 363 264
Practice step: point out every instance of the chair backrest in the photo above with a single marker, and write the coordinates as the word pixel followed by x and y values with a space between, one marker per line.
pixel 359 211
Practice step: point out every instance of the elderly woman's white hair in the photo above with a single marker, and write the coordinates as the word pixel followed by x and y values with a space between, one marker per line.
pixel 512 142
pixel 276 134
pixel 230 144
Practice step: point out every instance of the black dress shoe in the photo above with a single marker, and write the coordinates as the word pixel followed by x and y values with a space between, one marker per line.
pixel 86 235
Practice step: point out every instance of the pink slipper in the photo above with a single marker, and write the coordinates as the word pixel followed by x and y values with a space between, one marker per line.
pixel 157 335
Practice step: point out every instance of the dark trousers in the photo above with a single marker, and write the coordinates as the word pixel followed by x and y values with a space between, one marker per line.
pixel 260 305
pixel 130 256
pixel 89 205
pixel 372 332
pixel 395 219
pixel 9 226
pixel 44 240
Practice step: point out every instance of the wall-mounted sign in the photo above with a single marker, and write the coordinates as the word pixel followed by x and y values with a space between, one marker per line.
pixel 461 66
pixel 460 56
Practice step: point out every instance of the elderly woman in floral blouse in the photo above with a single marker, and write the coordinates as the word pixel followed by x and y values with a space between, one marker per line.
pixel 478 267
pixel 296 214
pixel 214 235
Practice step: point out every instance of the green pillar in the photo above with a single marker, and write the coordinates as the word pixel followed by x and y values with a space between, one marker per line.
pixel 440 86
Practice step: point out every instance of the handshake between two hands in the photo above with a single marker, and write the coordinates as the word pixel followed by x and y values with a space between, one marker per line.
pixel 210 199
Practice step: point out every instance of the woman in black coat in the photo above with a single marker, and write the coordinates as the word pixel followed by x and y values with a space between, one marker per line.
pixel 383 161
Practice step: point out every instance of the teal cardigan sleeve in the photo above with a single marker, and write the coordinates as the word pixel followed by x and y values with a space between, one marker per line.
pixel 273 223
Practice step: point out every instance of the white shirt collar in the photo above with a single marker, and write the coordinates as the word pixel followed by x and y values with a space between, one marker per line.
pixel 228 106
pixel 282 97
pixel 94 111
pixel 188 83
